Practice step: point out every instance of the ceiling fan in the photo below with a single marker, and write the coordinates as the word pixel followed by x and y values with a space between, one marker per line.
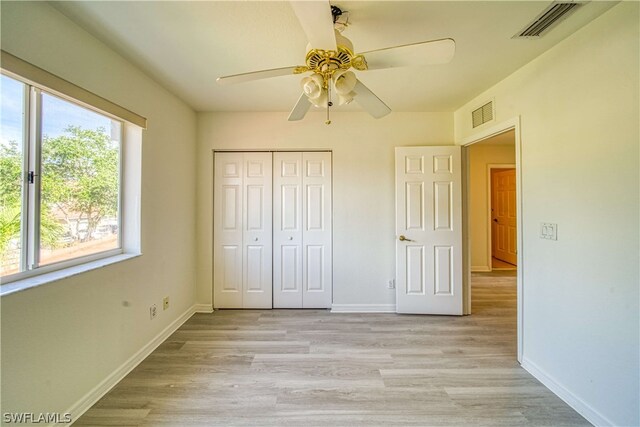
pixel 330 56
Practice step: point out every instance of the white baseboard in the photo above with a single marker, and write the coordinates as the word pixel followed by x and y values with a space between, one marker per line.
pixel 88 400
pixel 203 308
pixel 480 269
pixel 579 405
pixel 363 308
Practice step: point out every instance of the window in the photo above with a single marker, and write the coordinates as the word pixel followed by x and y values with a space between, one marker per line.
pixel 60 189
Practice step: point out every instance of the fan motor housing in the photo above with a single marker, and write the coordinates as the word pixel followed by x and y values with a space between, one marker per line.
pixel 326 62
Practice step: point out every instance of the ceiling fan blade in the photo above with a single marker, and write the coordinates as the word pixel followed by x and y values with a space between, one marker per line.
pixel 300 109
pixel 423 53
pixel 369 101
pixel 317 22
pixel 255 75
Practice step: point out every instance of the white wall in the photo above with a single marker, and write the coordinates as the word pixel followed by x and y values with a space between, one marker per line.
pixel 62 339
pixel 578 104
pixel 480 156
pixel 363 185
pixel 579 109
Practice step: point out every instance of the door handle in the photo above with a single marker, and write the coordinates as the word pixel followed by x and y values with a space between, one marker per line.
pixel 404 239
pixel 495 219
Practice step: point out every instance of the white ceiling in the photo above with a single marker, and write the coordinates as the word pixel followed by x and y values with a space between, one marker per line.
pixel 186 45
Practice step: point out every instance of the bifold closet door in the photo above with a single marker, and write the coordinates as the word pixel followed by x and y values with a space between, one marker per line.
pixel 287 230
pixel 242 241
pixel 302 230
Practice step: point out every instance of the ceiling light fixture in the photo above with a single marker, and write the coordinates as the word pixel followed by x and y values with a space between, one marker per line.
pixel 330 58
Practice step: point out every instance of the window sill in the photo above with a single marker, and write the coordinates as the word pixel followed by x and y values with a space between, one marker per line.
pixel 43 279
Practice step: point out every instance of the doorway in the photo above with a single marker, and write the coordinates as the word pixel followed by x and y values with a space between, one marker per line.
pixel 478 218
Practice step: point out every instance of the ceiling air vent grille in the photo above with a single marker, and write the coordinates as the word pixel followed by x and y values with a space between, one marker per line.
pixel 550 16
pixel 482 115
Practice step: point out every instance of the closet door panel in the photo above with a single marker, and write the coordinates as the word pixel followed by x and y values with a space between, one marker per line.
pixel 316 235
pixel 287 230
pixel 272 230
pixel 257 239
pixel 227 239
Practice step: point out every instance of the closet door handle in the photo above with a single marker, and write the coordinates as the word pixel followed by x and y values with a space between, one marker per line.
pixel 290 238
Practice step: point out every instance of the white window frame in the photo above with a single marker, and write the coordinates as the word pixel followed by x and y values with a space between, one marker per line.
pixel 130 175
pixel 31 194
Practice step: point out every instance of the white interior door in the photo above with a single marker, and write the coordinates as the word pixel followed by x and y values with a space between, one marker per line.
pixel 227 236
pixel 287 230
pixel 428 230
pixel 242 230
pixel 316 236
pixel 302 230
pixel 504 215
pixel 257 269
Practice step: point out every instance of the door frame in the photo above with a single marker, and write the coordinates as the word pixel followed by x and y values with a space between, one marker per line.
pixel 490 167
pixel 481 135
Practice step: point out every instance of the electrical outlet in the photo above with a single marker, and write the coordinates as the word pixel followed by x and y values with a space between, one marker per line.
pixel 391 284
pixel 153 311
pixel 165 303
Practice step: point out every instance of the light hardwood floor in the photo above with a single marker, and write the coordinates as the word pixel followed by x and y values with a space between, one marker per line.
pixel 314 368
pixel 501 265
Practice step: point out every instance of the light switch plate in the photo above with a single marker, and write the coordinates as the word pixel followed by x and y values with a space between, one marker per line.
pixel 548 231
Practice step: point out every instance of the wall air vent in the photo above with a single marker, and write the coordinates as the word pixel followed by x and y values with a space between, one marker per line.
pixel 550 16
pixel 482 114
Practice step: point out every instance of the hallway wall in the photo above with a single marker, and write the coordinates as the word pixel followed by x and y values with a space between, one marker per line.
pixel 480 156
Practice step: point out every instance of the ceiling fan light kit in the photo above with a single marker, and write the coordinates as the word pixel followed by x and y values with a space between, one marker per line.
pixel 344 83
pixel 330 58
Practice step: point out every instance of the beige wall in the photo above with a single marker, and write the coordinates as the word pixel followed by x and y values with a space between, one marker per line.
pixel 480 156
pixel 578 105
pixel 62 339
pixel 579 109
pixel 363 185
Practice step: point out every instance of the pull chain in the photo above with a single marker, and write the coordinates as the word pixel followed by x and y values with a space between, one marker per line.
pixel 329 103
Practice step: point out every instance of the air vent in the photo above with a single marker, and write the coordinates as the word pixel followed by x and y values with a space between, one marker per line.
pixel 550 16
pixel 482 115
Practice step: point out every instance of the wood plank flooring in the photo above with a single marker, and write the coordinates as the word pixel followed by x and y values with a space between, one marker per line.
pixel 314 368
pixel 501 265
